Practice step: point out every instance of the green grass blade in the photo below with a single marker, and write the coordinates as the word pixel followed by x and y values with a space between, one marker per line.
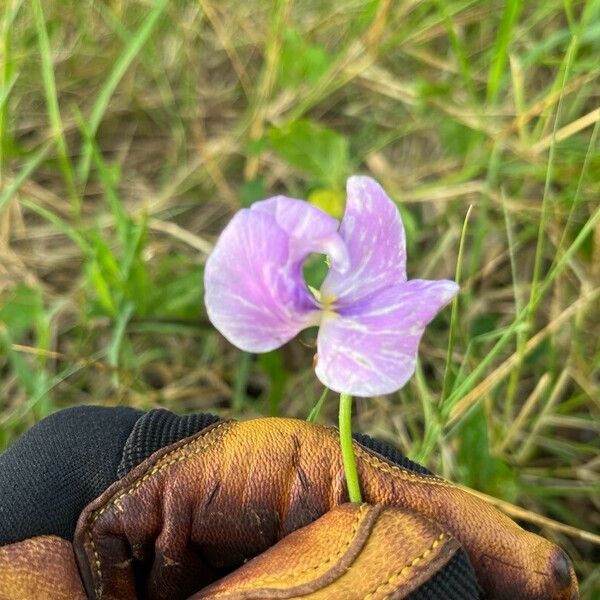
pixel 241 382
pixel 130 51
pixel 31 164
pixel 458 47
pixel 454 313
pixel 71 232
pixel 521 338
pixel 539 249
pixel 431 418
pixel 114 348
pixel 7 77
pixel 510 15
pixel 5 91
pixel 313 415
pixel 106 178
pixel 541 235
pixel 577 196
pixel 469 381
pixel 53 107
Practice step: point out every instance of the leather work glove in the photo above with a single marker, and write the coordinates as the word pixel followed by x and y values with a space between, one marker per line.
pixel 114 503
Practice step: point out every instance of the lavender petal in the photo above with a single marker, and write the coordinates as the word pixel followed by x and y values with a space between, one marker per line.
pixel 374 235
pixel 255 293
pixel 370 348
pixel 310 228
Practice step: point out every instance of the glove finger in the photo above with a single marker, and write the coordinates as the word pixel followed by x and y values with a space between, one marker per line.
pixel 508 560
pixel 42 567
pixel 367 552
pixel 230 492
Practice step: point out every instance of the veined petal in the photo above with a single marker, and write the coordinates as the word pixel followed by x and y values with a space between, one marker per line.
pixel 374 235
pixel 371 348
pixel 255 293
pixel 310 228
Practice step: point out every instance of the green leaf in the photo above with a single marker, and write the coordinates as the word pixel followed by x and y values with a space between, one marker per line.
pixel 53 108
pixel 33 380
pixel 251 191
pixel 479 469
pixel 315 269
pixel 301 62
pixel 321 152
pixel 330 201
pixel 19 311
pixel 131 260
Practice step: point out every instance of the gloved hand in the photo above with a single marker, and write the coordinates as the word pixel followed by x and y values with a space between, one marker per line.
pixel 113 503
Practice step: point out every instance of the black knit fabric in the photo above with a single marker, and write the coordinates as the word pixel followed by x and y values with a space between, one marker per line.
pixel 57 467
pixel 390 453
pixel 157 429
pixel 454 581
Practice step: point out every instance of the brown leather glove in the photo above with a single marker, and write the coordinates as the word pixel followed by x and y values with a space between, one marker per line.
pixel 188 519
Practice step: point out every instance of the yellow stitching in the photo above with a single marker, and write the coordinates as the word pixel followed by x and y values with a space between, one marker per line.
pixel 384 467
pixel 406 568
pixel 395 470
pixel 160 466
pixel 344 548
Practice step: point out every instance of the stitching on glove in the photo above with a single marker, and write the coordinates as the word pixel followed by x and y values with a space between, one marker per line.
pixel 406 568
pixel 355 525
pixel 384 467
pixel 216 433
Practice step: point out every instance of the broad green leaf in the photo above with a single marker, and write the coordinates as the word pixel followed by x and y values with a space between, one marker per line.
pixel 320 152
pixel 301 62
pixel 478 468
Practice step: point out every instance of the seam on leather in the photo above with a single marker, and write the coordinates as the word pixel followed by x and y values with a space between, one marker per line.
pixel 407 568
pixel 384 467
pixel 355 526
pixel 216 434
pixel 332 573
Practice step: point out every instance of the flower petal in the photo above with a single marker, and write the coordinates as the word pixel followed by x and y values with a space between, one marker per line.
pixel 371 348
pixel 255 293
pixel 374 235
pixel 312 229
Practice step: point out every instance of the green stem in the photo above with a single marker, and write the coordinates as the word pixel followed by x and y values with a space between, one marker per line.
pixel 348 458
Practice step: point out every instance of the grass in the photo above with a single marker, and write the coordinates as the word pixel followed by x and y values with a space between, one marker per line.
pixel 131 131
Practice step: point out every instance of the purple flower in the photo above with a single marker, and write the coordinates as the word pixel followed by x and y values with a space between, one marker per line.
pixel 371 318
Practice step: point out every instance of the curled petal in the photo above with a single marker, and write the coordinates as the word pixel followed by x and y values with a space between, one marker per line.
pixel 374 235
pixel 370 348
pixel 310 228
pixel 255 294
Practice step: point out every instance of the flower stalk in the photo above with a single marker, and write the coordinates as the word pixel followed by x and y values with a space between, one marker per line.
pixel 348 457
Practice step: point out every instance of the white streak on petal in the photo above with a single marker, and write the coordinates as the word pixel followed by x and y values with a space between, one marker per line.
pixel 371 348
pixel 374 236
